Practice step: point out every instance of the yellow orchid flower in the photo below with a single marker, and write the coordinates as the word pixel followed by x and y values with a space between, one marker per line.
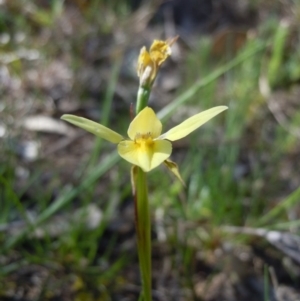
pixel 146 147
pixel 149 62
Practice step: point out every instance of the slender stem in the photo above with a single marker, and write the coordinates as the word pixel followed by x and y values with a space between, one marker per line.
pixel 142 211
pixel 143 229
pixel 142 99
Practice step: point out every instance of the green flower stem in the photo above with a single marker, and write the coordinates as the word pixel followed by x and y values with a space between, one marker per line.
pixel 142 98
pixel 143 229
pixel 142 211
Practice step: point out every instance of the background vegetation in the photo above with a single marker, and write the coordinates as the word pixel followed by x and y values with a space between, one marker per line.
pixel 66 211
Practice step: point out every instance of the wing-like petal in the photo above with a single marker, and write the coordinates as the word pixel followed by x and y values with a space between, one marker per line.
pixel 173 167
pixel 145 157
pixel 191 124
pixel 144 123
pixel 94 128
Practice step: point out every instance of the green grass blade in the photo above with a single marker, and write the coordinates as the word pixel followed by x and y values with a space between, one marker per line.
pixel 67 197
pixel 286 204
pixel 189 93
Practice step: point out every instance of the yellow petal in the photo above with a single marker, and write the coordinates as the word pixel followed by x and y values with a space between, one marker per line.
pixel 161 50
pixel 145 157
pixel 93 127
pixel 162 151
pixel 173 167
pixel 128 150
pixel 144 61
pixel 145 123
pixel 191 124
